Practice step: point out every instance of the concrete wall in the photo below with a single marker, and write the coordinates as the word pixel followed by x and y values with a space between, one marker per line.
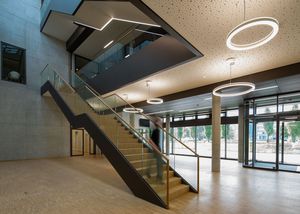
pixel 31 126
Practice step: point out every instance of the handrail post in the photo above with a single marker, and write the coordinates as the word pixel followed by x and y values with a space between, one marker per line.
pixel 168 187
pixel 198 174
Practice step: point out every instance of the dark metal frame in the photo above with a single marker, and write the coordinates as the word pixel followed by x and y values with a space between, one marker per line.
pixel 25 63
pixel 274 117
pixel 128 173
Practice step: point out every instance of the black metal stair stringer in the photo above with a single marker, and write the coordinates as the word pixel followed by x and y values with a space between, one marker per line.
pixel 128 173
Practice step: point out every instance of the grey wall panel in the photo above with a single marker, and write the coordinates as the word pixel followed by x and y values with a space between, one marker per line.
pixel 31 126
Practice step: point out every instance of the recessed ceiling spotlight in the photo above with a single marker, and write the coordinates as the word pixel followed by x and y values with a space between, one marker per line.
pixel 259 21
pixel 218 91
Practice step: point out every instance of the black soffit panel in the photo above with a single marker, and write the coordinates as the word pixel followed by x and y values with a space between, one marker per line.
pixel 161 54
pixel 160 21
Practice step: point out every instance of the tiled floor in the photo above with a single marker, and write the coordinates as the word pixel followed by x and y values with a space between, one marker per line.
pixel 90 185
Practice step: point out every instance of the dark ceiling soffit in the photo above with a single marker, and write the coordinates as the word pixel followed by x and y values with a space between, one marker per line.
pixel 64 7
pixel 203 122
pixel 78 37
pixel 267 75
pixel 155 17
pixel 161 54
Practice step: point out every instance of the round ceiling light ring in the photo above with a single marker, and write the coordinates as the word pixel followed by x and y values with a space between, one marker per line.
pixel 155 101
pixel 269 21
pixel 133 110
pixel 235 84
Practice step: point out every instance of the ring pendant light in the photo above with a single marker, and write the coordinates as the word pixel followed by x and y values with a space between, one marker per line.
pixel 131 110
pixel 260 21
pixel 153 101
pixel 218 90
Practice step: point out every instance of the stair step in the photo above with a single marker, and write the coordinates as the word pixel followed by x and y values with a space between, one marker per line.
pixel 133 157
pixel 145 162
pixel 130 145
pixel 175 191
pixel 134 151
pixel 173 182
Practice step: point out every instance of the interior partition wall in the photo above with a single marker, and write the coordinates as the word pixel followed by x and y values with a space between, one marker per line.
pixel 272 132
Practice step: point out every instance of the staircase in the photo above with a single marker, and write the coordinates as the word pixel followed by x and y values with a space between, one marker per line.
pixel 132 155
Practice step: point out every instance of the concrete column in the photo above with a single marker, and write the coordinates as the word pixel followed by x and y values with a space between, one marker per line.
pixel 216 138
pixel 241 135
pixel 168 137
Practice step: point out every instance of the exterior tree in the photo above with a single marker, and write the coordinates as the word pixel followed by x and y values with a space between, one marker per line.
pixel 294 127
pixel 268 126
pixel 208 132
pixel 180 132
pixel 226 132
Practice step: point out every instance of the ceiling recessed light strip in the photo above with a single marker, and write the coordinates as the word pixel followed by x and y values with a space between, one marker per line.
pixel 86 25
pixel 111 19
pixel 159 112
pixel 108 44
pixel 136 22
pixel 106 24
pixel 266 88
pixel 268 21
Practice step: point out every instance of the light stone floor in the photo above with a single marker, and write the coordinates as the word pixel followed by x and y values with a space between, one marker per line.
pixel 90 185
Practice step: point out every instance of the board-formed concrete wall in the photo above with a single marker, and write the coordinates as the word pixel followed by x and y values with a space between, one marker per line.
pixel 31 126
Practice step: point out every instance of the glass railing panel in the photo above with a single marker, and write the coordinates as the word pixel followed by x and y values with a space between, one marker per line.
pixel 184 159
pixel 132 39
pixel 143 156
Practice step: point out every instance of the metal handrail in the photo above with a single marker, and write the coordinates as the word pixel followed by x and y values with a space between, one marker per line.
pixel 128 125
pixel 146 116
pixel 149 118
pixel 60 76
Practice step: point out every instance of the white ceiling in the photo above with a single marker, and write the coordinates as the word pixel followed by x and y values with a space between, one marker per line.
pixel 205 24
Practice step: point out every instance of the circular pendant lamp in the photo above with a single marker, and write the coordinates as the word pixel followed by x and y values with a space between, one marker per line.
pixel 260 21
pixel 153 101
pixel 226 89
pixel 131 110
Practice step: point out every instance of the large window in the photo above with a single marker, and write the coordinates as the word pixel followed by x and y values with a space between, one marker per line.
pixel 273 132
pixel 199 138
pixel 13 63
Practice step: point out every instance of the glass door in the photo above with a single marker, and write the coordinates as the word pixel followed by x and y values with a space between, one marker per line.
pixel 265 146
pixel 289 146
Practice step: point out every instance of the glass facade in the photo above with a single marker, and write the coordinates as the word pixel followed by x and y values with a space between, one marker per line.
pixel 199 138
pixel 273 132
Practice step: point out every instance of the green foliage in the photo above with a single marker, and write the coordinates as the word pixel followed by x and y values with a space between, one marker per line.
pixel 226 131
pixel 180 132
pixel 208 132
pixel 294 130
pixel 193 132
pixel 269 127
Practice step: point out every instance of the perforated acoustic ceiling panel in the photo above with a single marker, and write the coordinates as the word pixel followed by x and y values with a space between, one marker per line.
pixel 205 24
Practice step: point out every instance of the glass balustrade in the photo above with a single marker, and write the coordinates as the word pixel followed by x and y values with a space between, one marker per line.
pixel 139 151
pixel 134 37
